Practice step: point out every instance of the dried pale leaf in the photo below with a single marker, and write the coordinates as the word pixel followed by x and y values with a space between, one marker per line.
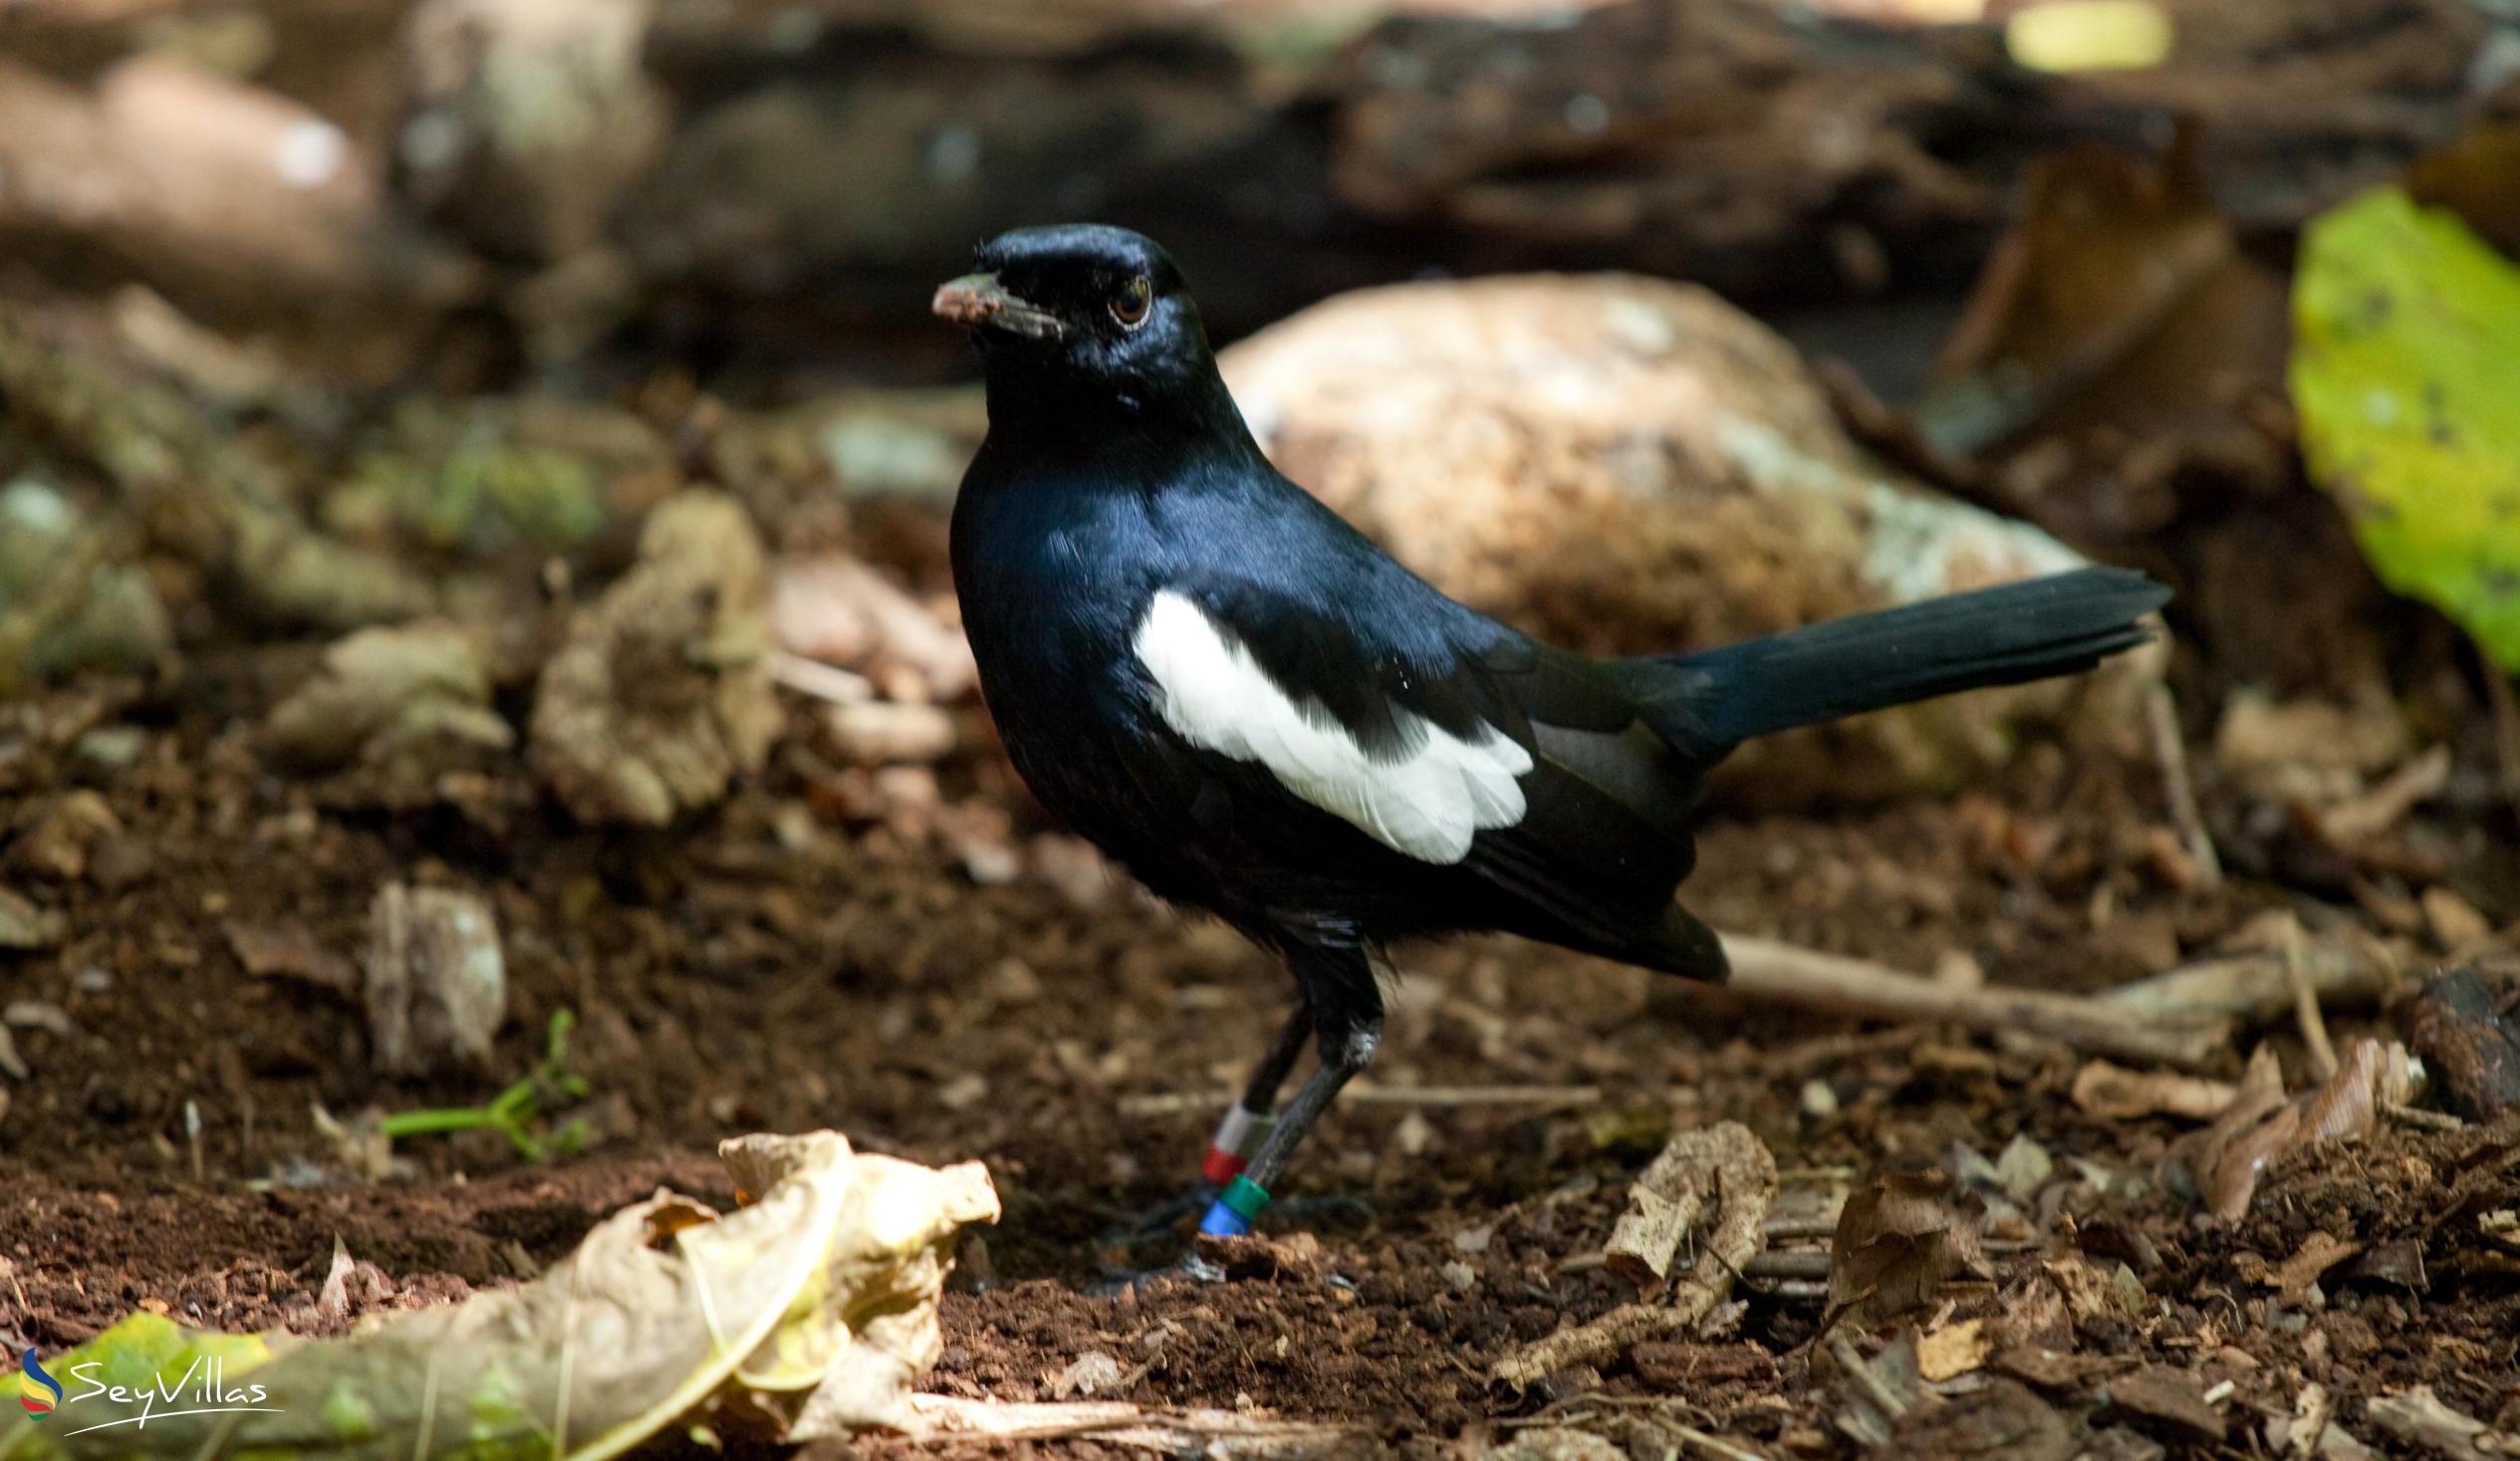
pixel 838 1262
pixel 1955 1349
pixel 2114 1092
pixel 2023 1167
pixel 289 951
pixel 1899 1238
pixel 2228 1156
pixel 2319 1252
pixel 1668 1197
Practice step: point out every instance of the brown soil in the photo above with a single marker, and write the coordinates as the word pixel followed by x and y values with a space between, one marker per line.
pixel 787 963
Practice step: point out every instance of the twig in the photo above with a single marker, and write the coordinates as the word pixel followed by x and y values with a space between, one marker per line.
pixel 1747 1190
pixel 1788 1229
pixel 2420 1416
pixel 1842 1349
pixel 2256 985
pixel 1711 1445
pixel 2385 805
pixel 813 677
pixel 1184 1102
pixel 947 1418
pixel 1792 1263
pixel 2314 1026
pixel 1765 969
pixel 2415 1115
pixel 2179 789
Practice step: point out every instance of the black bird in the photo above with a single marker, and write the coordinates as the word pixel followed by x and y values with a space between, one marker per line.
pixel 1227 688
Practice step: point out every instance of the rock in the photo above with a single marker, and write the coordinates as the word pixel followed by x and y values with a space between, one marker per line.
pixel 206 498
pixel 24 926
pixel 1556 1443
pixel 59 835
pixel 878 732
pixel 529 117
pixel 228 197
pixel 409 704
pixel 499 474
pixel 437 980
pixel 843 611
pixel 1624 465
pixel 2168 1401
pixel 660 698
pixel 2470 1047
pixel 65 605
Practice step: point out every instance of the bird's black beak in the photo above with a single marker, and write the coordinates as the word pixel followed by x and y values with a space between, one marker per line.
pixel 977 301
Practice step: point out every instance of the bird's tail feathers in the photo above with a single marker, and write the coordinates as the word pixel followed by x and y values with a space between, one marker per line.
pixel 1711 700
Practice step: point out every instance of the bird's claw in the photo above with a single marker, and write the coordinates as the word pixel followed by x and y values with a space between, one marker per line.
pixel 1131 1230
pixel 1190 1268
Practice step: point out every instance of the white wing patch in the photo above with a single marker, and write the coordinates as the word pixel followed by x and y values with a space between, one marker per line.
pixel 1427 804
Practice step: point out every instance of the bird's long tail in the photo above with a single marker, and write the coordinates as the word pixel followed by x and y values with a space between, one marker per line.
pixel 1714 700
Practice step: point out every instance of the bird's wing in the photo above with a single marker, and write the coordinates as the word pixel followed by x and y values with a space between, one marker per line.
pixel 1365 731
pixel 1442 736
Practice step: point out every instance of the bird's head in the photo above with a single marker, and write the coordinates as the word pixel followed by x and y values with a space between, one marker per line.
pixel 1081 308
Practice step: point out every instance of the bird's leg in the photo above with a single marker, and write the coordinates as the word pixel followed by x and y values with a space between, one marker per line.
pixel 1248 1122
pixel 1345 1050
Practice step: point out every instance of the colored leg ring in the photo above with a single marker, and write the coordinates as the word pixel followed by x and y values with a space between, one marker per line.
pixel 1233 1211
pixel 1237 1138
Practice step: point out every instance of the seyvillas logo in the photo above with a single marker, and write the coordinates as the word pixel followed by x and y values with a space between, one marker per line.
pixel 203 1389
pixel 37 1391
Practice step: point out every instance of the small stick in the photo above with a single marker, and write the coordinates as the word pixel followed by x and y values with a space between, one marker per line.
pixel 827 682
pixel 1791 1263
pixel 2420 1416
pixel 2387 805
pixel 1184 1102
pixel 1765 969
pixel 1842 1349
pixel 1711 1445
pixel 2179 789
pixel 2415 1115
pixel 949 1418
pixel 2314 1026
pixel 2257 986
pixel 1787 1229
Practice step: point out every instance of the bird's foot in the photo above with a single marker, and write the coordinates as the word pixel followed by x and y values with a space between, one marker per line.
pixel 1137 1228
pixel 1190 1268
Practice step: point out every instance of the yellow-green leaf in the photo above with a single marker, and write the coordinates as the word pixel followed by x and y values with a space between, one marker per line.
pixel 2405 371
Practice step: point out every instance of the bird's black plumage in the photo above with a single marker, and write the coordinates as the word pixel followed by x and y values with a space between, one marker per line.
pixel 1260 713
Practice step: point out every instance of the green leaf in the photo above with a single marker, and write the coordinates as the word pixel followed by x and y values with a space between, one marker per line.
pixel 2405 371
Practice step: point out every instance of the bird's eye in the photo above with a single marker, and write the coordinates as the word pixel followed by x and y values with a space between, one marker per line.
pixel 1134 300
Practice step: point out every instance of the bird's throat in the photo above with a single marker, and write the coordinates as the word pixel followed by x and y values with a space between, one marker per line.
pixel 1129 426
